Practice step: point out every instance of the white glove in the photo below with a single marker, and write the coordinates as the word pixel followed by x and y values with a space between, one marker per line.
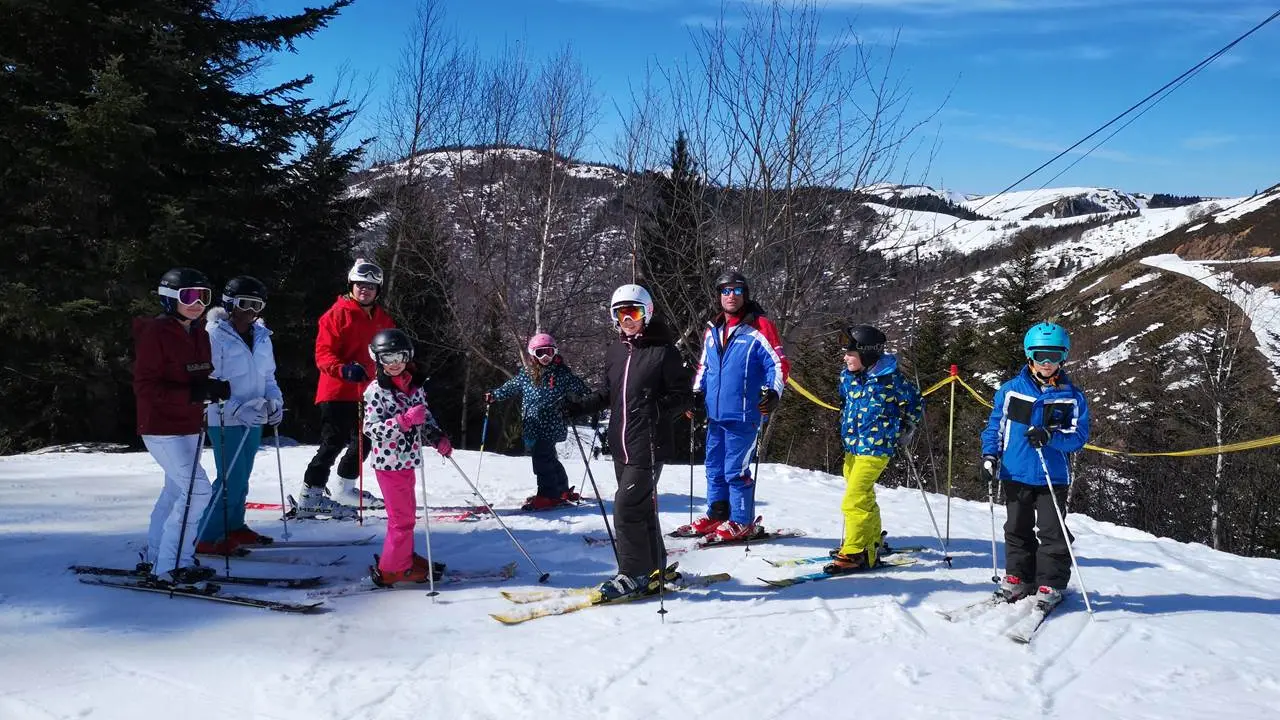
pixel 251 412
pixel 275 411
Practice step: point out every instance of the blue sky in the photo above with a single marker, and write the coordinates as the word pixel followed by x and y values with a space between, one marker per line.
pixel 1025 79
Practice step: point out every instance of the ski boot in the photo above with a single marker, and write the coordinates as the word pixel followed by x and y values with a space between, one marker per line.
pixel 316 502
pixel 843 564
pixel 534 503
pixel 1012 589
pixel 354 497
pixel 421 562
pixel 1047 598
pixel 698 528
pixel 733 532
pixel 192 577
pixel 245 536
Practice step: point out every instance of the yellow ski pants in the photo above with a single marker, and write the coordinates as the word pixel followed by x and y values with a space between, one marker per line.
pixel 861 513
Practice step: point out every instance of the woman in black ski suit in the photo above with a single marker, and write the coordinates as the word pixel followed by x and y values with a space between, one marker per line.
pixel 646 387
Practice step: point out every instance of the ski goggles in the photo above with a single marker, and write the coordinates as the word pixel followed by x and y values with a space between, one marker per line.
pixel 1043 356
pixel 246 303
pixel 395 357
pixel 189 295
pixel 629 312
pixel 544 352
pixel 367 272
pixel 735 290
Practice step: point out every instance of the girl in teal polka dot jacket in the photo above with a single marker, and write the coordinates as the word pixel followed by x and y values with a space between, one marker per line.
pixel 543 383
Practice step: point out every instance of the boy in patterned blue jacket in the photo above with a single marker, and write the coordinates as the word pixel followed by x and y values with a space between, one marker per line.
pixel 1039 418
pixel 880 409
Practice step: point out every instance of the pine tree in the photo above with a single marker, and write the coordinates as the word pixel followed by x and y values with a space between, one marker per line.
pixel 132 141
pixel 674 252
pixel 1017 289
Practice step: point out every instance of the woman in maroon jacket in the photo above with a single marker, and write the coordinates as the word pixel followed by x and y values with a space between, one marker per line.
pixel 342 356
pixel 171 384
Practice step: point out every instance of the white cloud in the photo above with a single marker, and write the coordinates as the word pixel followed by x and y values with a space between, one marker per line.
pixel 1205 141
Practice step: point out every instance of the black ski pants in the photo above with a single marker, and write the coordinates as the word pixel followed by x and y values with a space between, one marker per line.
pixel 635 519
pixel 1035 557
pixel 338 428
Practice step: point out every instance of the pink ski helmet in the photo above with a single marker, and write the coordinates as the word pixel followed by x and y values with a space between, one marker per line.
pixel 541 340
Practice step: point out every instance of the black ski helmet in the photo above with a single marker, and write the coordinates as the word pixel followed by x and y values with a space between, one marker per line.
pixel 242 286
pixel 866 340
pixel 733 277
pixel 388 341
pixel 176 279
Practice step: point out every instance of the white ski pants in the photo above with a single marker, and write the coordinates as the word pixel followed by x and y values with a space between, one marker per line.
pixel 177 455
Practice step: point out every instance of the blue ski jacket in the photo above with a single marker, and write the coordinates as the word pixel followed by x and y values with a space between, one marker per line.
pixel 540 408
pixel 877 401
pixel 1022 403
pixel 737 362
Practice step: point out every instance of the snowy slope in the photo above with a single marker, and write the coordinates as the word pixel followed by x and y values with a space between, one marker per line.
pixel 1180 632
pixel 1022 204
pixel 1261 304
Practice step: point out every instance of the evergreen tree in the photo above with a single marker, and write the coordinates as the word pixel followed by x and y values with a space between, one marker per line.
pixel 675 255
pixel 1017 288
pixel 131 141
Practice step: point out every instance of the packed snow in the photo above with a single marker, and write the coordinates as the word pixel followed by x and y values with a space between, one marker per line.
pixel 1020 204
pixel 1179 632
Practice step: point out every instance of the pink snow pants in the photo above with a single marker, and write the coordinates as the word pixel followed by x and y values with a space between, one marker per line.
pixel 402 512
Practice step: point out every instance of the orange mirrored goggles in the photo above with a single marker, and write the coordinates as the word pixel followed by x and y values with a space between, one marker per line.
pixel 629 312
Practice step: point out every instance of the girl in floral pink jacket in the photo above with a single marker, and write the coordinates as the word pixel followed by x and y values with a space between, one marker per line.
pixel 398 423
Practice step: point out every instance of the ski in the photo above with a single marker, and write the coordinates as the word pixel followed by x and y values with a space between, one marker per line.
pixel 891 561
pixel 792 562
pixel 280 559
pixel 444 514
pixel 451 577
pixel 530 596
pixel 294 544
pixel 210 591
pixel 597 541
pixel 972 610
pixel 1026 628
pixel 277 582
pixel 578 600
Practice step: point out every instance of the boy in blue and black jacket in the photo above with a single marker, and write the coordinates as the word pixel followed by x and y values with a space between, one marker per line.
pixel 1039 418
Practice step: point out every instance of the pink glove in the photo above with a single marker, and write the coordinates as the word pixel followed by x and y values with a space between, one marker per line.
pixel 444 447
pixel 413 417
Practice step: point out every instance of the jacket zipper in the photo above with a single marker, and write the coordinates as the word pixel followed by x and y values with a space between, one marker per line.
pixel 626 372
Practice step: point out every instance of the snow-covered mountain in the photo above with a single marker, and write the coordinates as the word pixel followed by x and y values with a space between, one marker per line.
pixel 1179 632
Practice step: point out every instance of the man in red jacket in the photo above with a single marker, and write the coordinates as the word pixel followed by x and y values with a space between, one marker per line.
pixel 342 356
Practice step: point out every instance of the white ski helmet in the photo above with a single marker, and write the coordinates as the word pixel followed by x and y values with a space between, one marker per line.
pixel 364 271
pixel 630 295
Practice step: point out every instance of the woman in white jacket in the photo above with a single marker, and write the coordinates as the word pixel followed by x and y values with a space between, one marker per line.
pixel 242 355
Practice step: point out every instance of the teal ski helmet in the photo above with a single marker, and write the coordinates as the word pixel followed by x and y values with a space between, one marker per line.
pixel 1044 340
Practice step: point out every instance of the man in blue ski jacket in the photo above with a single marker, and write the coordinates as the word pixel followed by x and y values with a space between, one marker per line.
pixel 1039 417
pixel 739 380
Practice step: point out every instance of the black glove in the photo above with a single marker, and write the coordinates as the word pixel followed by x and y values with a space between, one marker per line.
pixel 209 390
pixel 768 401
pixel 1037 437
pixel 573 407
pixel 907 436
pixel 990 468
pixel 354 372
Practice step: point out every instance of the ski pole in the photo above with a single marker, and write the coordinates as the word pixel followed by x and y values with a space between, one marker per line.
pixel 191 486
pixel 911 470
pixel 591 449
pixel 360 459
pixel 692 428
pixel 1066 534
pixel 755 476
pixel 596 490
pixel 222 456
pixel 991 505
pixel 542 576
pixel 484 434
pixel 284 515
pixel 426 520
